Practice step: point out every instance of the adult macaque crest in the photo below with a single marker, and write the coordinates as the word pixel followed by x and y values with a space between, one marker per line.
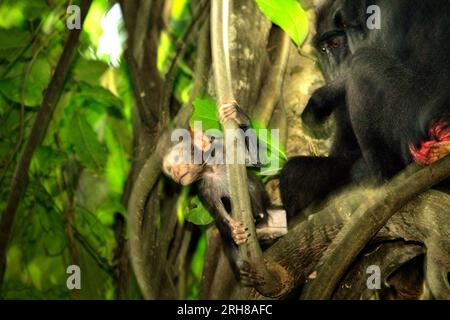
pixel 213 189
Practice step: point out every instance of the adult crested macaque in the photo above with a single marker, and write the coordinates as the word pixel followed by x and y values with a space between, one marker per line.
pixel 387 68
pixel 210 177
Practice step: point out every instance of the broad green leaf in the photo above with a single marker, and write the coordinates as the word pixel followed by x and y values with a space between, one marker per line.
pixel 118 164
pixel 104 98
pixel 93 23
pixel 205 112
pixel 46 159
pixel 13 38
pixel 274 149
pixel 37 78
pixel 197 213
pixel 288 15
pixel 3 105
pixel 11 14
pixel 105 213
pixel 89 71
pixel 94 231
pixel 35 9
pixel 89 150
pixel 183 86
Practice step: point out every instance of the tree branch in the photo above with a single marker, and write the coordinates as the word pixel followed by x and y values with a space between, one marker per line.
pixel 236 173
pixel 271 90
pixel 423 220
pixel 37 133
pixel 137 23
pixel 389 256
pixel 366 222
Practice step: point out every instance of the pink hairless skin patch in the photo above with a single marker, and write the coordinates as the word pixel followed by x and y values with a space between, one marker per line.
pixel 436 147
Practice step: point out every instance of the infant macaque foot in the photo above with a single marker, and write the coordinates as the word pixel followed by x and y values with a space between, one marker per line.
pixel 232 111
pixel 239 233
pixel 250 276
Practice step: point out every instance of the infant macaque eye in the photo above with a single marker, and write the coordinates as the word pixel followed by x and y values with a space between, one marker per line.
pixel 176 159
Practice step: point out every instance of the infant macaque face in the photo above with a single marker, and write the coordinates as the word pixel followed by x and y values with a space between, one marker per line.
pixel 179 167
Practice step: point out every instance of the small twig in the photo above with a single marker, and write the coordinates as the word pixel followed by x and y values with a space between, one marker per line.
pixel 271 90
pixel 120 257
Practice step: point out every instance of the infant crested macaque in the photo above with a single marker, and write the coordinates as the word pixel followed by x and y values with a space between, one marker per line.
pixel 210 177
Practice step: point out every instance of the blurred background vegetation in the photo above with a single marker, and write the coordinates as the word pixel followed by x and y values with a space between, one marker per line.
pixel 81 168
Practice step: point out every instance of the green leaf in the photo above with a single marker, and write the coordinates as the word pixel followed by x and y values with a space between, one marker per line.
pixel 47 159
pixel 3 105
pixel 13 38
pixel 35 84
pixel 89 150
pixel 117 139
pixel 197 213
pixel 288 15
pixel 274 149
pixel 183 86
pixel 35 9
pixel 102 97
pixel 205 112
pixel 89 71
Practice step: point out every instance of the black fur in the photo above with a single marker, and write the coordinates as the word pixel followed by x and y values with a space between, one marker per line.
pixel 385 87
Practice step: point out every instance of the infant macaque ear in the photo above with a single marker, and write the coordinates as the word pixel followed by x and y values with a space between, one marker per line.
pixel 201 141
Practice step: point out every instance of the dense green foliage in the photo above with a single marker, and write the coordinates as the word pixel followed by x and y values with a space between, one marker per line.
pixel 84 161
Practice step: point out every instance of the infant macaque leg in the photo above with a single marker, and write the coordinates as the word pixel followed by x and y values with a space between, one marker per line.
pixel 232 111
pixel 239 233
pixel 249 275
pixel 275 227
